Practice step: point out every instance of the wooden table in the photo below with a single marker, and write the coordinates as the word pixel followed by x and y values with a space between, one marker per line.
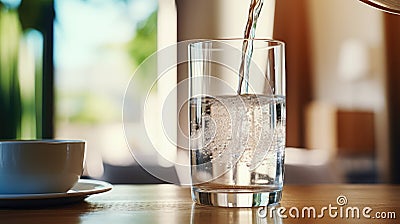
pixel 172 204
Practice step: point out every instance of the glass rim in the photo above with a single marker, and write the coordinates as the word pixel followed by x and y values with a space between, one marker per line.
pixel 276 43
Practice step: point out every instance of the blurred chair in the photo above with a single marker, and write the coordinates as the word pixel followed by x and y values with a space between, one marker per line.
pixel 347 136
pixel 135 174
pixel 316 163
pixel 315 166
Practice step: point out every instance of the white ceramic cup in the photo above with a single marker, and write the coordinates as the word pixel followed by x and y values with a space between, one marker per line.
pixel 40 166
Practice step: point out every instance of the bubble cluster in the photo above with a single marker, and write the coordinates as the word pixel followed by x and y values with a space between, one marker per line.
pixel 242 132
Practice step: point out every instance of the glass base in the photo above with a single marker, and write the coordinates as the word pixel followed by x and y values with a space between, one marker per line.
pixel 236 199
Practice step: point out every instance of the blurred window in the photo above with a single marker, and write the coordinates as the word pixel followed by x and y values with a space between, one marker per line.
pixel 98 46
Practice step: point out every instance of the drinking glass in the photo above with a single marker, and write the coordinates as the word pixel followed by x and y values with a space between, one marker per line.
pixel 237 134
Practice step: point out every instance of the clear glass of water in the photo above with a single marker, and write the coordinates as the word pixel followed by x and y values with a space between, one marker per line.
pixel 237 128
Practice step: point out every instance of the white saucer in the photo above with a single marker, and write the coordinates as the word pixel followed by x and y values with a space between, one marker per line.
pixel 83 189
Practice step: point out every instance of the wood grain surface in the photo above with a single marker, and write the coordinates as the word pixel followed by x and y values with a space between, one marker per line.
pixel 172 204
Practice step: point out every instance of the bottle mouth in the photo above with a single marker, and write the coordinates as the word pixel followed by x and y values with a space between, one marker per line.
pixel 390 6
